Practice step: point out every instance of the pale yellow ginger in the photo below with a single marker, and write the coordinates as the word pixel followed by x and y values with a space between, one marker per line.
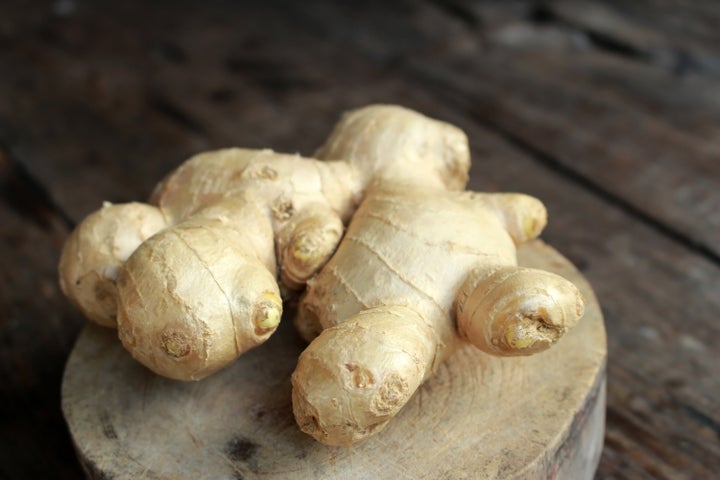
pixel 97 249
pixel 424 267
pixel 421 270
pixel 191 279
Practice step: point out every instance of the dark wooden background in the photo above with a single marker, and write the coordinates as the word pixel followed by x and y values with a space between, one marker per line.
pixel 609 111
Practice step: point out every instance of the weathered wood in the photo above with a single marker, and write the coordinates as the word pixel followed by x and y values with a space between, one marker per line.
pixel 479 417
pixel 99 100
pixel 37 330
pixel 680 39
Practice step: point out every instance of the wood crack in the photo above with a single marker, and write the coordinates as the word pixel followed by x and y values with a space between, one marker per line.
pixel 459 11
pixel 172 112
pixel 668 57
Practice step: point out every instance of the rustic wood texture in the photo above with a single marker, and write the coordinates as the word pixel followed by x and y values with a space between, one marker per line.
pixel 478 417
pixel 606 110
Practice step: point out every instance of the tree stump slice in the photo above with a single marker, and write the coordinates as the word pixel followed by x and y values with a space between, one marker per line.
pixel 479 417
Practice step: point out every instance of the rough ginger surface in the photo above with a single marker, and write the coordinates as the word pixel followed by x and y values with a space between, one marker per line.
pixel 191 279
pixel 405 289
pixel 197 276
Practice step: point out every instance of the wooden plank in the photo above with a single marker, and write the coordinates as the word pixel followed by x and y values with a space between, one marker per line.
pixel 94 107
pixel 680 36
pixel 37 330
pixel 560 35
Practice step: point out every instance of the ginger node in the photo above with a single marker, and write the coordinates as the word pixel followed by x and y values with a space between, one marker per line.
pixel 267 314
pixel 175 344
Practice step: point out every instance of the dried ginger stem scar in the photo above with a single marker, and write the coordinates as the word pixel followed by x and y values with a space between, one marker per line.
pixel 267 313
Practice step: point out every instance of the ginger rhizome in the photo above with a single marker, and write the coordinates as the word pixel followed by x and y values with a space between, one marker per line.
pixel 190 279
pixel 421 269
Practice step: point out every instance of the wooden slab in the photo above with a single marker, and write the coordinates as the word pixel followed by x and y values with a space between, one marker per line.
pixel 479 417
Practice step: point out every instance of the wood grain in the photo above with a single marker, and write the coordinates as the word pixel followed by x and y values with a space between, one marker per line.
pixel 479 417
pixel 99 100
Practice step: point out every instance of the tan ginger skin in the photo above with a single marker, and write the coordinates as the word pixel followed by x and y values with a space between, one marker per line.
pixel 421 270
pixel 190 279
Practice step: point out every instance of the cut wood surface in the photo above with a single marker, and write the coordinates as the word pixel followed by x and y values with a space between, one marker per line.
pixel 605 110
pixel 478 417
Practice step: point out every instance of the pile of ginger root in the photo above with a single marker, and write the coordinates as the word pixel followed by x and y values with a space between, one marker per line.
pixel 397 266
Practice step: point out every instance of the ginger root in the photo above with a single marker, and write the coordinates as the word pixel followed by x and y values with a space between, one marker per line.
pixel 421 270
pixel 190 280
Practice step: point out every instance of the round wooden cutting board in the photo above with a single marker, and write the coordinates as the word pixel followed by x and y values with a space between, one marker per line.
pixel 478 417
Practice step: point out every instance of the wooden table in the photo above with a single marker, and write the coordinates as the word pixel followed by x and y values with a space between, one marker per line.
pixel 607 111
